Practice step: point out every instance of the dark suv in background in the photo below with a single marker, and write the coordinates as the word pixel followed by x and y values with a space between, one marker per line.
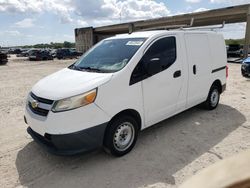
pixel 3 58
pixel 38 55
pixel 66 53
pixel 235 50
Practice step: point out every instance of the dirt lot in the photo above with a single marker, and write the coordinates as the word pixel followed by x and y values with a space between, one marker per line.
pixel 165 155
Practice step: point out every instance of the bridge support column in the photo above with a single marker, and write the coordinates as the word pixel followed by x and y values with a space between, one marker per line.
pixel 84 38
pixel 247 35
pixel 131 28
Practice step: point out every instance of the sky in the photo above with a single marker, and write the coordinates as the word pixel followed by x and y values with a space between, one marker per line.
pixel 25 22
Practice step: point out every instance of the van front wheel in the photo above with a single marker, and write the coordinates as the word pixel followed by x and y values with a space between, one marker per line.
pixel 213 98
pixel 121 136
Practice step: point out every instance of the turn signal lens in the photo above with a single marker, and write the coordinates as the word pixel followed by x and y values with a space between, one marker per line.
pixel 90 97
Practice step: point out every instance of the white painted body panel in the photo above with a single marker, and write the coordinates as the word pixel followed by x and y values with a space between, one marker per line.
pixel 199 55
pixel 219 56
pixel 66 83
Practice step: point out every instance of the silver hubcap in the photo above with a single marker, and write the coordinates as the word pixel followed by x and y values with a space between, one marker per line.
pixel 124 136
pixel 214 98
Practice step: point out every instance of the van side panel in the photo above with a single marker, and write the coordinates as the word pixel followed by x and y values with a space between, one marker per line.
pixel 199 60
pixel 219 57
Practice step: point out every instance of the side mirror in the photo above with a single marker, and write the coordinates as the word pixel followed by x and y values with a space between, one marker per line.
pixel 153 66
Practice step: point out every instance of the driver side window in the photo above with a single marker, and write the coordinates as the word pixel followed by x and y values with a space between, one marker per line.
pixel 163 51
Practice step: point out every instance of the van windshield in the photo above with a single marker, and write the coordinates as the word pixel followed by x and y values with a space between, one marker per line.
pixel 109 55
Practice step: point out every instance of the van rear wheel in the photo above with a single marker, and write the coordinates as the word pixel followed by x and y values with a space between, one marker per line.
pixel 121 136
pixel 213 98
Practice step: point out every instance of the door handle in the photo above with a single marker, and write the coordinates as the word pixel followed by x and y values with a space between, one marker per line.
pixel 177 74
pixel 194 69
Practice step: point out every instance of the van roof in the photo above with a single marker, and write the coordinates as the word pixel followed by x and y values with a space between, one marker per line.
pixel 147 34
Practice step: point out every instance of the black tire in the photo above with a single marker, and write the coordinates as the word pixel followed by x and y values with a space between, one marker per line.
pixel 213 98
pixel 114 129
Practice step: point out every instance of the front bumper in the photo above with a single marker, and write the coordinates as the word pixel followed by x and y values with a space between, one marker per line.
pixel 73 143
pixel 65 133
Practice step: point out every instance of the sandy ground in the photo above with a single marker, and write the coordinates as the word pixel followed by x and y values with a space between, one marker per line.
pixel 165 155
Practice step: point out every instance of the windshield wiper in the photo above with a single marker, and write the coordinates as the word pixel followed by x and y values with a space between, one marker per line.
pixel 89 69
pixel 74 67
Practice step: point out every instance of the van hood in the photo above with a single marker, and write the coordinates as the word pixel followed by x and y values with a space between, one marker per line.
pixel 66 83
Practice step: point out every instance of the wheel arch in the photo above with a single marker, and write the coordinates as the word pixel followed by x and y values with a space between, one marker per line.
pixel 131 112
pixel 218 84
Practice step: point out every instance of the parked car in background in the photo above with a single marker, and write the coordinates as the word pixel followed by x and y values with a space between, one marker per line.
pixel 32 54
pixel 15 51
pixel 38 55
pixel 245 68
pixel 24 53
pixel 3 58
pixel 53 52
pixel 66 53
pixel 235 50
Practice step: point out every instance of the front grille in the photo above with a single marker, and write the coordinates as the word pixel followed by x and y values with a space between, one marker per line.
pixel 38 111
pixel 42 100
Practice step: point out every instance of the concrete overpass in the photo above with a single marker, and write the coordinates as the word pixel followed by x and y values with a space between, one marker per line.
pixel 87 37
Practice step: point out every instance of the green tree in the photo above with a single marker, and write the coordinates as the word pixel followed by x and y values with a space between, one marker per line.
pixel 67 44
pixel 235 41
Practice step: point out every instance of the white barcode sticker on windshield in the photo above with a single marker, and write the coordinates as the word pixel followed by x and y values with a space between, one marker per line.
pixel 134 43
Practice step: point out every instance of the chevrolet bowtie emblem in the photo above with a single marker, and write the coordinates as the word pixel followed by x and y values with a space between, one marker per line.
pixel 34 104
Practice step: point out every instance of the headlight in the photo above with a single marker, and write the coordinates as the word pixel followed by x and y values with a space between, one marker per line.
pixel 75 101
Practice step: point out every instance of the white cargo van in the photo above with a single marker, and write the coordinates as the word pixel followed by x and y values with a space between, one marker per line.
pixel 123 85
